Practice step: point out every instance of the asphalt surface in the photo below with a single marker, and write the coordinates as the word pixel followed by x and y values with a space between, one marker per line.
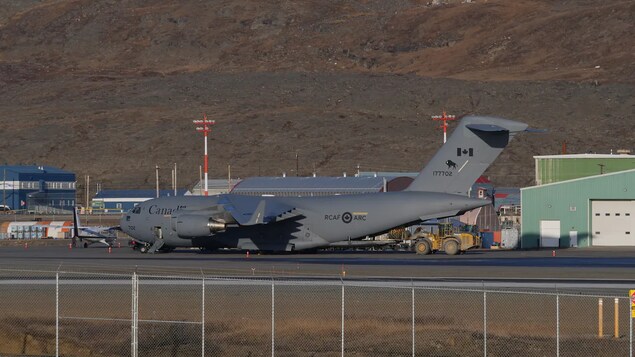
pixel 590 264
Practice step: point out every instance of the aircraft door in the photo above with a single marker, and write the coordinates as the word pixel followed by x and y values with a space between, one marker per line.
pixel 165 229
pixel 158 232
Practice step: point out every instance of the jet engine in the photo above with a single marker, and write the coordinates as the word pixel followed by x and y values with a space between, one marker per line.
pixel 190 226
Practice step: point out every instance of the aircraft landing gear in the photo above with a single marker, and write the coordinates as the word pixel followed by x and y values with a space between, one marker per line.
pixel 143 249
pixel 85 245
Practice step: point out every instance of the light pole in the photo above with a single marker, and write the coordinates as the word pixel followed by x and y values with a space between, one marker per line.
pixel 205 129
pixel 157 178
pixel 445 118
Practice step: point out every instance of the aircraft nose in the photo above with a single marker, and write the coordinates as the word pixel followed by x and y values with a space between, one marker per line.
pixel 122 222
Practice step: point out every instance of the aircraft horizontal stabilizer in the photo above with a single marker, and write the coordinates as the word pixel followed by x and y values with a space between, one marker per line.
pixel 496 128
pixel 486 127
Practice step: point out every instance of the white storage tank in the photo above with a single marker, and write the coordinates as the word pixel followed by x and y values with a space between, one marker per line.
pixel 509 238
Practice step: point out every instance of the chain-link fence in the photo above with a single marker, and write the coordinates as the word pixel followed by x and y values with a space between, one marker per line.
pixel 81 314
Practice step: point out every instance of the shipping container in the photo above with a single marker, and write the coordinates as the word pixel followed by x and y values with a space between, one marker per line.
pixel 488 239
pixel 59 229
pixel 43 228
pixel 4 227
pixel 35 229
pixel 497 237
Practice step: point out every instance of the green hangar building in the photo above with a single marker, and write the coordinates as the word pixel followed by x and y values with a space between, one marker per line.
pixel 580 201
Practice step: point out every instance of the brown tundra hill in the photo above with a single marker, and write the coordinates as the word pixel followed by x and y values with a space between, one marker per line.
pixel 109 88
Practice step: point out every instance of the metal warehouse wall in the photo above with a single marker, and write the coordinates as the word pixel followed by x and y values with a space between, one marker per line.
pixel 570 203
pixel 550 170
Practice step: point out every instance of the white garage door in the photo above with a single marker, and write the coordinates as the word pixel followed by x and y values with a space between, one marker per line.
pixel 550 234
pixel 613 223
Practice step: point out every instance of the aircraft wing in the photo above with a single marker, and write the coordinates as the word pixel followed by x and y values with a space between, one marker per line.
pixel 249 211
pixel 99 230
pixel 96 232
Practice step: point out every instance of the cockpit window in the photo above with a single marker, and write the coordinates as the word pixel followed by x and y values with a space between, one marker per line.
pixel 136 210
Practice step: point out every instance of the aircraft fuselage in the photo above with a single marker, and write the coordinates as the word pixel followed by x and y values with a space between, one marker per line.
pixel 315 221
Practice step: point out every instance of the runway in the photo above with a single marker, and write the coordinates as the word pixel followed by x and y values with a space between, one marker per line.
pixel 379 301
pixel 599 264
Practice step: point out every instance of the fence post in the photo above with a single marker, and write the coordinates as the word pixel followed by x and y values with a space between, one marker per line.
pixel 616 317
pixel 484 323
pixel 273 317
pixel 413 320
pixel 132 316
pixel 600 318
pixel 135 316
pixel 57 314
pixel 342 318
pixel 203 319
pixel 557 325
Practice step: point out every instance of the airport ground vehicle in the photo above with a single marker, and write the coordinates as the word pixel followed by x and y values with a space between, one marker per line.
pixel 446 240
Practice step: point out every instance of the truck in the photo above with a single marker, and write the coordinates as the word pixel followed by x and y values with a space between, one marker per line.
pixel 447 239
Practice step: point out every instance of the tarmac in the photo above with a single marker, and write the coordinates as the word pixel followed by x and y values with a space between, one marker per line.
pixel 583 264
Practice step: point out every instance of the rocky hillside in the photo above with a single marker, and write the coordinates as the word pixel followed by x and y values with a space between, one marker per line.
pixel 109 88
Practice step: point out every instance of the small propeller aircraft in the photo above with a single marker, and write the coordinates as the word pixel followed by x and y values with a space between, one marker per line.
pixel 93 234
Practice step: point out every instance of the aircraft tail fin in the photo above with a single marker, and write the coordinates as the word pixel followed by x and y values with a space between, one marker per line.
pixel 76 222
pixel 470 150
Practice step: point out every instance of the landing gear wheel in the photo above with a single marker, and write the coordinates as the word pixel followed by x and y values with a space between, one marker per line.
pixel 423 247
pixel 451 247
pixel 85 245
pixel 143 249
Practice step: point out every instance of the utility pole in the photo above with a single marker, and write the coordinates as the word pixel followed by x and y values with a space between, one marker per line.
pixel 175 186
pixel 297 165
pixel 445 118
pixel 205 129
pixel 157 178
pixel 229 178
pixel 4 189
pixel 87 191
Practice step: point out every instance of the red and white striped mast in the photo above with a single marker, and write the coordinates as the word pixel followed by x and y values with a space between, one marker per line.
pixel 445 119
pixel 205 129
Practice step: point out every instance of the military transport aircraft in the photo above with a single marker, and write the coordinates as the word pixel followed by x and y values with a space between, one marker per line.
pixel 297 223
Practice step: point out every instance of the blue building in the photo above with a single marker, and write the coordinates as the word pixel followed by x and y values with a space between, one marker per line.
pixel 40 189
pixel 117 201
